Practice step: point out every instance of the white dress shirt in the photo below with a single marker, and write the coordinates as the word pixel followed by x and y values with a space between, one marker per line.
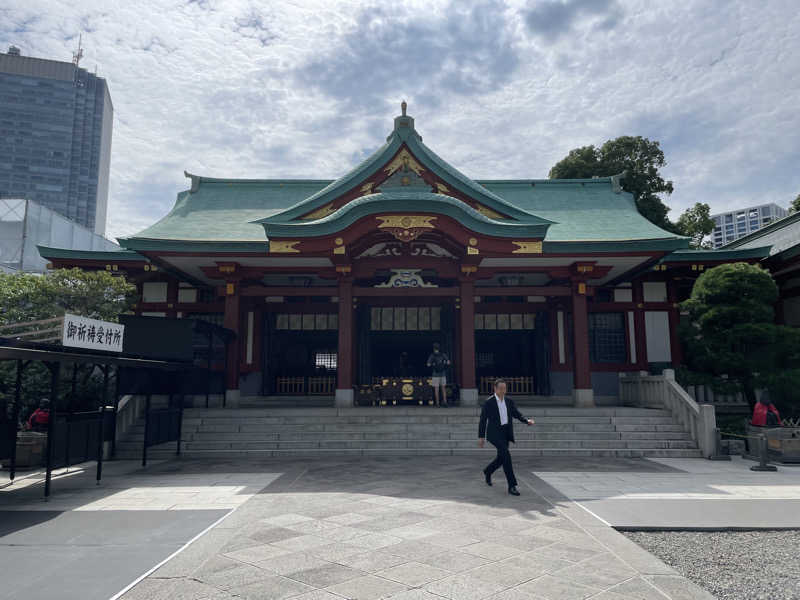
pixel 503 409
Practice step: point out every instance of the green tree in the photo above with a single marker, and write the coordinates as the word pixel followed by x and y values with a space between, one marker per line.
pixel 94 294
pixel 732 330
pixel 696 223
pixel 795 205
pixel 30 297
pixel 640 159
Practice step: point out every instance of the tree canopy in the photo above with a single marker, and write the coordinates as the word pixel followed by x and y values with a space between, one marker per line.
pixel 696 223
pixel 640 159
pixel 732 330
pixel 94 294
pixel 795 205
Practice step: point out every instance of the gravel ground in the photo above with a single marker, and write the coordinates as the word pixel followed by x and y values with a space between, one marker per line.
pixel 732 565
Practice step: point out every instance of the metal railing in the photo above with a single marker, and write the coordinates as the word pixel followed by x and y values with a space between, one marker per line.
pixel 324 385
pixel 662 391
pixel 43 330
pixel 515 385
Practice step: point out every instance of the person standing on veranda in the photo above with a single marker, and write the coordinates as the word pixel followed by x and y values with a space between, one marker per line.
pixel 438 361
pixel 496 426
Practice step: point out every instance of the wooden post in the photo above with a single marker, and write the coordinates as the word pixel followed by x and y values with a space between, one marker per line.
pixel 674 321
pixel 582 375
pixel 468 391
pixel 231 321
pixel 344 351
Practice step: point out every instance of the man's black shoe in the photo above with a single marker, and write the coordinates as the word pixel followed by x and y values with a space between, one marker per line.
pixel 488 477
pixel 513 491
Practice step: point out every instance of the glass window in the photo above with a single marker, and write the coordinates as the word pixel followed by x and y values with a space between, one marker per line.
pixel 325 359
pixel 607 338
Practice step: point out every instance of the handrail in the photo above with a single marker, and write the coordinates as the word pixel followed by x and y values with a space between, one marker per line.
pixel 662 391
pixel 28 323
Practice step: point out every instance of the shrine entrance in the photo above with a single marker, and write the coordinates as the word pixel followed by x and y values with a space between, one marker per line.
pixel 394 343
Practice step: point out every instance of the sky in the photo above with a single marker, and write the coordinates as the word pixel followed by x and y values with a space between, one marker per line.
pixel 501 90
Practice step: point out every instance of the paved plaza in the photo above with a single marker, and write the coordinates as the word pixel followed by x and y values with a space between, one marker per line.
pixel 683 494
pixel 405 528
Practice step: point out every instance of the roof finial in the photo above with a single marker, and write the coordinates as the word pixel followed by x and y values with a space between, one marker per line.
pixel 403 106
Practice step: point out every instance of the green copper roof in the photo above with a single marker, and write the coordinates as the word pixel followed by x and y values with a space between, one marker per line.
pixel 119 255
pixel 724 254
pixel 414 201
pixel 221 210
pixel 582 209
pixel 782 235
pixel 403 133
pixel 575 215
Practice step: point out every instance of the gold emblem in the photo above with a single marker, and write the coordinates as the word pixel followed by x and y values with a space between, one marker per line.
pixel 406 161
pixel 322 211
pixel 473 242
pixel 407 389
pixel 283 248
pixel 405 228
pixel 406 221
pixel 527 248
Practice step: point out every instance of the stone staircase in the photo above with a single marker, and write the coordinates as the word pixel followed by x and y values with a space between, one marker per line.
pixel 319 431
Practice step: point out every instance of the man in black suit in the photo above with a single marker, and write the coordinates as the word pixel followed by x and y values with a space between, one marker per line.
pixel 495 425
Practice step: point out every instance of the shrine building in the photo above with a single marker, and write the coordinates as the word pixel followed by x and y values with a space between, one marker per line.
pixel 339 288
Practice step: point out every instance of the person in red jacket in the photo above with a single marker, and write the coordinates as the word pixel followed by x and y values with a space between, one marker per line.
pixel 40 418
pixel 765 414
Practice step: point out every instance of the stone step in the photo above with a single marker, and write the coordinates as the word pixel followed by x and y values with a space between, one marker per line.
pixel 368 435
pixel 480 454
pixel 622 411
pixel 604 431
pixel 433 444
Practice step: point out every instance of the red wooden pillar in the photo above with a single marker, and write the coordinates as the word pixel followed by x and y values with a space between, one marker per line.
pixel 674 321
pixel 172 298
pixel 231 321
pixel 344 352
pixel 468 390
pixel 638 321
pixel 582 375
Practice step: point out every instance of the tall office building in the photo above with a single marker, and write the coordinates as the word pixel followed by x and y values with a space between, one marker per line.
pixel 55 136
pixel 732 225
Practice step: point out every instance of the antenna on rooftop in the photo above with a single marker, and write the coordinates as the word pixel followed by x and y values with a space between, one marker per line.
pixel 78 54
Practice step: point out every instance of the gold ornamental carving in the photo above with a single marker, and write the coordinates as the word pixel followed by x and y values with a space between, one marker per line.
pixel 405 161
pixel 322 211
pixel 527 247
pixel 283 247
pixel 488 212
pixel 367 188
pixel 406 228
pixel 407 389
pixel 442 188
pixel 406 221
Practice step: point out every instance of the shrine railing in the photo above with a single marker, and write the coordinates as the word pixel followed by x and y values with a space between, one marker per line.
pixel 514 385
pixel 305 386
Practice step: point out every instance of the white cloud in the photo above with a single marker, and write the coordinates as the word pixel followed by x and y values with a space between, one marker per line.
pixel 247 89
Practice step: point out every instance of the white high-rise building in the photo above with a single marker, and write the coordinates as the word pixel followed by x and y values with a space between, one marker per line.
pixel 732 225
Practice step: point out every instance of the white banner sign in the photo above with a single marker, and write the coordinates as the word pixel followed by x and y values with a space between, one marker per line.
pixel 80 332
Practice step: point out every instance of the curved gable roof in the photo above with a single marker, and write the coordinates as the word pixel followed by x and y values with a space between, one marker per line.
pixel 403 135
